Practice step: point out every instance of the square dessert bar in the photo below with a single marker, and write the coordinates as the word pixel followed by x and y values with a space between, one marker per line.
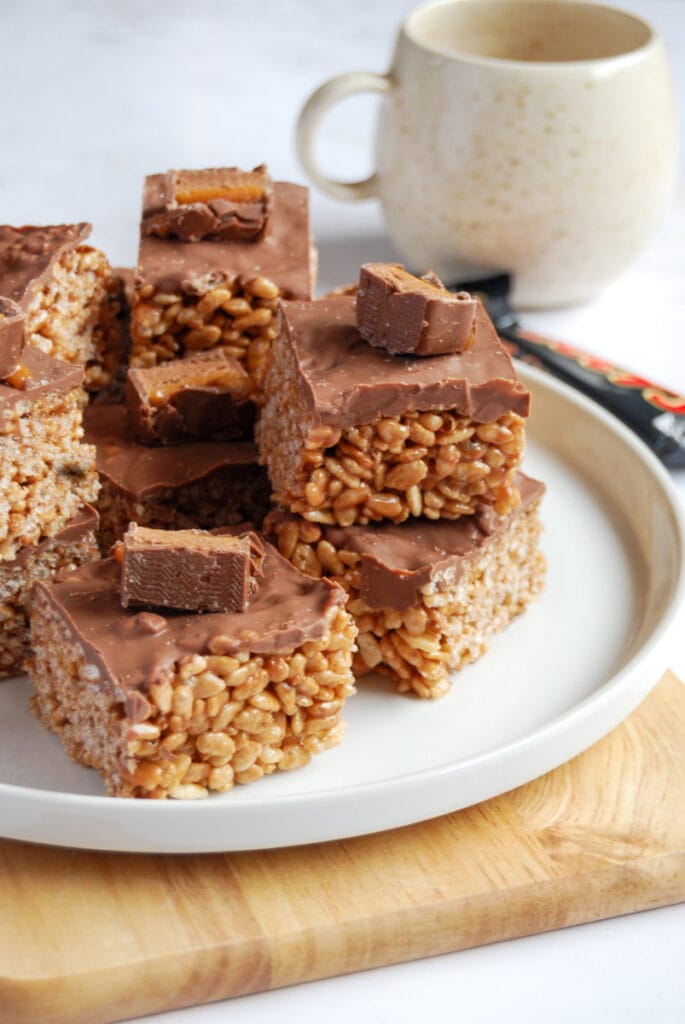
pixel 201 484
pixel 425 595
pixel 352 434
pixel 73 545
pixel 177 704
pixel 68 294
pixel 46 471
pixel 215 291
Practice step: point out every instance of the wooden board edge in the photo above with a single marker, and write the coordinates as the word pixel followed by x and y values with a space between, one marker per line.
pixel 120 992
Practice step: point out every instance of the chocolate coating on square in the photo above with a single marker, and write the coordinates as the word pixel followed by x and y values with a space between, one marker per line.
pixel 406 315
pixel 222 203
pixel 345 382
pixel 146 472
pixel 135 648
pixel 28 254
pixel 204 396
pixel 190 570
pixel 282 253
pixel 11 336
pixel 42 375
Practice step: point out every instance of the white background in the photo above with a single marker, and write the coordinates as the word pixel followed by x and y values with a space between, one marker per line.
pixel 94 95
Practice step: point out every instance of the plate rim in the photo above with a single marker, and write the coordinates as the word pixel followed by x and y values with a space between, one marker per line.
pixel 597 705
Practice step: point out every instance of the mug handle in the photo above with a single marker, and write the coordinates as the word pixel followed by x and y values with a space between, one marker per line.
pixel 313 112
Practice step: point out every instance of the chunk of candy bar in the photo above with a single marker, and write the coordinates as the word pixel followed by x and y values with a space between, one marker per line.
pixel 189 570
pixel 11 337
pixel 151 670
pixel 190 399
pixel 223 203
pixel 408 315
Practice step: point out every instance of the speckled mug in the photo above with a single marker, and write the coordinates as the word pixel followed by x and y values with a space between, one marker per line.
pixel 533 136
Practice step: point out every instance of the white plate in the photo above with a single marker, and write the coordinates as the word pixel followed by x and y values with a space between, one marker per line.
pixel 560 677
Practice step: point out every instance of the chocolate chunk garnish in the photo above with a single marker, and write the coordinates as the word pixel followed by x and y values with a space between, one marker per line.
pixel 205 396
pixel 11 337
pixel 189 570
pixel 222 203
pixel 408 315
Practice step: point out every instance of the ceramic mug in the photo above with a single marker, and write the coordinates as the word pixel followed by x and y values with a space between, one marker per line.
pixel 536 137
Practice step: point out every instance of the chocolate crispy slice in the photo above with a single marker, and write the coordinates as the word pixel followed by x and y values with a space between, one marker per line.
pixel 427 595
pixel 399 435
pixel 282 254
pixel 46 472
pixel 187 704
pixel 395 561
pixel 146 472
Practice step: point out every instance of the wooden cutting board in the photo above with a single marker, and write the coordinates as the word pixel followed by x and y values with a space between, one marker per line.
pixel 90 937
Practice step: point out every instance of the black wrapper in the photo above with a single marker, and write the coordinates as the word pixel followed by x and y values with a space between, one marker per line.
pixel 656 414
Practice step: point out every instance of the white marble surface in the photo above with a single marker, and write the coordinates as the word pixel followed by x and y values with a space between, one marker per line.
pixel 93 95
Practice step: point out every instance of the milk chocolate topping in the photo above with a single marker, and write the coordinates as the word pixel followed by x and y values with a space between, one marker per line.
pixel 28 254
pixel 132 647
pixel 45 375
pixel 346 382
pixel 281 254
pixel 11 336
pixel 397 560
pixel 142 471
